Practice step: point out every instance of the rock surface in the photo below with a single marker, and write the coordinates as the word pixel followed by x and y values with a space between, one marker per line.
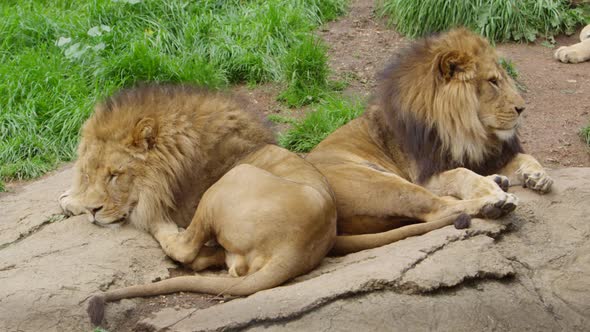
pixel 529 271
pixel 50 265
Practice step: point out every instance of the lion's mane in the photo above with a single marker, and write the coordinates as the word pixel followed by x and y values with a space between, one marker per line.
pixel 436 123
pixel 198 135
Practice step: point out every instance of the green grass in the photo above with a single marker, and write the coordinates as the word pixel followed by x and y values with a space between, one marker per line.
pixel 99 329
pixel 330 114
pixel 508 65
pixel 306 69
pixel 585 134
pixel 307 73
pixel 58 57
pixel 497 20
pixel 277 118
pixel 510 68
pixel 585 7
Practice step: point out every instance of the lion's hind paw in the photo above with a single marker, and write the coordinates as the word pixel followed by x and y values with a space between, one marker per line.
pixel 500 208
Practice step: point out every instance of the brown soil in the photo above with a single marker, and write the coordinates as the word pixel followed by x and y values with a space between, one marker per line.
pixel 557 94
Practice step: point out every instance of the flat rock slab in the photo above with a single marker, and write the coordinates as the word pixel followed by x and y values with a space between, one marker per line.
pixel 526 272
pixel 50 265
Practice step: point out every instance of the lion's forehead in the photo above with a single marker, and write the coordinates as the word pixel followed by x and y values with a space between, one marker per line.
pixel 104 158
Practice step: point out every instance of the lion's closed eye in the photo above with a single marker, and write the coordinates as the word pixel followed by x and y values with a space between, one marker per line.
pixel 112 178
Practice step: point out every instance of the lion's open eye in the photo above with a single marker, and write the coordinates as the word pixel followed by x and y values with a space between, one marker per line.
pixel 493 81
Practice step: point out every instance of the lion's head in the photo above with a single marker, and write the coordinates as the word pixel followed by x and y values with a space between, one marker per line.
pixel 450 103
pixel 108 169
pixel 149 153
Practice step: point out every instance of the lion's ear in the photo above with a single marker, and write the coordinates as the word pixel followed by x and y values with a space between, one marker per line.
pixel 456 65
pixel 144 133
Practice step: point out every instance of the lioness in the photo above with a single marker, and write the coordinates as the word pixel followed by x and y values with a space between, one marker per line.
pixel 439 146
pixel 152 155
pixel 579 52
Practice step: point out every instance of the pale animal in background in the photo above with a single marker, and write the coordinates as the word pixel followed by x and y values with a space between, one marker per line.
pixel 576 53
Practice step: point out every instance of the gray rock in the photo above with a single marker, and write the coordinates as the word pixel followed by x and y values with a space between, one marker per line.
pixel 527 272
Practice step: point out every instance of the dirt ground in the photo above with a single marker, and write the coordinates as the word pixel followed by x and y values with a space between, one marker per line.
pixel 557 94
pixel 558 105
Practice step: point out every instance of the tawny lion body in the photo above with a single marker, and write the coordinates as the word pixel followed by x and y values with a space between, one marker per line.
pixel 576 53
pixel 440 146
pixel 150 155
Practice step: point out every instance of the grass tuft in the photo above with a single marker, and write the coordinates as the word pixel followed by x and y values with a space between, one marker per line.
pixel 58 57
pixel 306 69
pixel 277 118
pixel 330 114
pixel 511 70
pixel 496 20
pixel 585 134
pixel 99 329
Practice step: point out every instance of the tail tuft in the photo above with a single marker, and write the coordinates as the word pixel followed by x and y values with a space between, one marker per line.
pixel 462 221
pixel 95 309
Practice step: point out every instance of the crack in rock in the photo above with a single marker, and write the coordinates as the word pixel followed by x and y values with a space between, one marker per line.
pixel 389 268
pixel 22 236
pixel 478 258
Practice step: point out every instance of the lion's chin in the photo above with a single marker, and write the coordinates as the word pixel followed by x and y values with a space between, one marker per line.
pixel 505 134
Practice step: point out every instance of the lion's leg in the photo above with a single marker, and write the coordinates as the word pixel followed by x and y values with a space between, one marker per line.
pixel 207 257
pixel 182 246
pixel 380 193
pixel 464 184
pixel 525 170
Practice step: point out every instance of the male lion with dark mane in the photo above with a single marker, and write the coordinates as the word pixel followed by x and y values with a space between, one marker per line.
pixel 439 147
pixel 160 157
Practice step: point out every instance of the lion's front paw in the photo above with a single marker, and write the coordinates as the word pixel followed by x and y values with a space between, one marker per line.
pixel 499 206
pixel 501 181
pixel 177 249
pixel 69 205
pixel 537 181
pixel 571 54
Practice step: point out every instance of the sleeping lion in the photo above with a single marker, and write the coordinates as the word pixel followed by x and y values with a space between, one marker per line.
pixel 160 157
pixel 439 146
pixel 579 52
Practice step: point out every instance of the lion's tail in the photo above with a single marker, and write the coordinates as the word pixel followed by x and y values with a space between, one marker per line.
pixel 273 274
pixel 346 244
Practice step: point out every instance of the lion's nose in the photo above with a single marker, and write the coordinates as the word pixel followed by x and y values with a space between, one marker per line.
pixel 519 109
pixel 93 210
